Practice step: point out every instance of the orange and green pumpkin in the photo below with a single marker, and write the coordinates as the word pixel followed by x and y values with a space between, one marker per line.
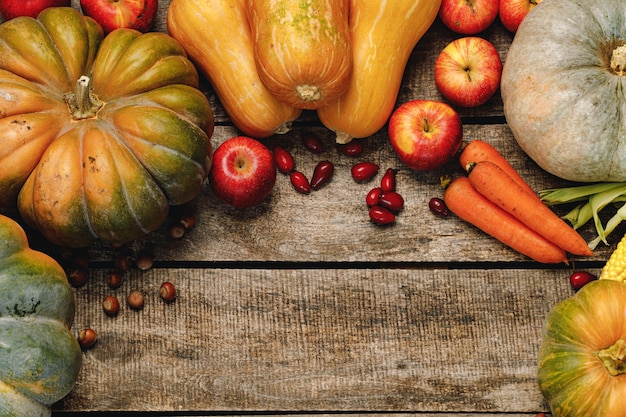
pixel 99 136
pixel 582 358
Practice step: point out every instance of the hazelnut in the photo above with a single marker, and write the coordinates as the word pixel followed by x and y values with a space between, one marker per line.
pixel 77 277
pixel 115 279
pixel 144 261
pixel 135 300
pixel 177 231
pixel 111 305
pixel 167 291
pixel 87 338
pixel 123 260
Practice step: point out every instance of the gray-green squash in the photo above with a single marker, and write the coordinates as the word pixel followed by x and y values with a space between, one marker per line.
pixel 563 88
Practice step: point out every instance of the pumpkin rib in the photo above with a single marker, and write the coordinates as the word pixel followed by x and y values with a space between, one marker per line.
pixel 47 384
pixel 42 49
pixel 67 39
pixel 133 198
pixel 135 131
pixel 160 177
pixel 90 230
pixel 187 102
pixel 147 62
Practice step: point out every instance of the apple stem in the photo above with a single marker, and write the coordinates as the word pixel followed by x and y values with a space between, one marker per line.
pixel 83 103
pixel 425 125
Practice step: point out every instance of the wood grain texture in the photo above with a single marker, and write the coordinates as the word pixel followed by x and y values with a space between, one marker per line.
pixel 319 339
pixel 332 224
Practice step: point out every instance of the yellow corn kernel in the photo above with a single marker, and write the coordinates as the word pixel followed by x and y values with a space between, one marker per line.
pixel 615 268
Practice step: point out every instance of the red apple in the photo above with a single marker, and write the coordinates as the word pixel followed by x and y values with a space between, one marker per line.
pixel 468 17
pixel 114 14
pixel 14 8
pixel 425 134
pixel 468 71
pixel 243 171
pixel 512 12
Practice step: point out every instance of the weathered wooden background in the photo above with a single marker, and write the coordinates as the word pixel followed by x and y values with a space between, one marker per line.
pixel 302 306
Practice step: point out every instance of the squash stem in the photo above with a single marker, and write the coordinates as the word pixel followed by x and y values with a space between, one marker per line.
pixel 614 358
pixel 618 60
pixel 83 103
pixel 308 93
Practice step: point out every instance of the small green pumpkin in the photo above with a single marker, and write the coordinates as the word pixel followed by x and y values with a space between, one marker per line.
pixel 582 358
pixel 39 357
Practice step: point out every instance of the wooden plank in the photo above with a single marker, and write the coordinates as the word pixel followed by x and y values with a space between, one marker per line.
pixel 332 224
pixel 274 413
pixel 318 339
pixel 283 414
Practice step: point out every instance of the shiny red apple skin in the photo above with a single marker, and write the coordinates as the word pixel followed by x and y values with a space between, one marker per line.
pixel 10 9
pixel 468 71
pixel 468 17
pixel 111 14
pixel 425 134
pixel 243 172
pixel 513 12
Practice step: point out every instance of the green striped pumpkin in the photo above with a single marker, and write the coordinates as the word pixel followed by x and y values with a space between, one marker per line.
pixel 39 356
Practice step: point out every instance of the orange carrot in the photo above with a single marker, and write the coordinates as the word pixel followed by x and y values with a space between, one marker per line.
pixel 463 200
pixel 478 150
pixel 495 184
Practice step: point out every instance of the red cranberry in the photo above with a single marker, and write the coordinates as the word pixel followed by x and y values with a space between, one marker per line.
pixel 438 207
pixel 364 171
pixel 579 279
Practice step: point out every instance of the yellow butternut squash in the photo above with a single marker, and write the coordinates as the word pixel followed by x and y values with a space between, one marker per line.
pixel 216 35
pixel 302 49
pixel 384 33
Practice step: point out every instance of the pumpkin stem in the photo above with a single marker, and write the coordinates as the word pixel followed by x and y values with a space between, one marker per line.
pixel 83 103
pixel 614 358
pixel 308 92
pixel 618 60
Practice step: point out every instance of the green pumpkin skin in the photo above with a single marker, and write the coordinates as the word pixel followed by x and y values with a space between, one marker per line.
pixel 571 376
pixel 39 357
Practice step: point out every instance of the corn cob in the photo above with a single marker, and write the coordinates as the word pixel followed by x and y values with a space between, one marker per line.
pixel 615 267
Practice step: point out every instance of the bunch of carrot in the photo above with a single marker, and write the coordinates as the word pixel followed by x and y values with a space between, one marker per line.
pixel 496 199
